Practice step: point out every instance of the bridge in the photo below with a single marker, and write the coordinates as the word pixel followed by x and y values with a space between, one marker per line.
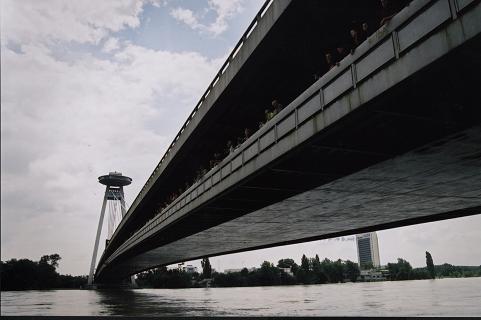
pixel 391 136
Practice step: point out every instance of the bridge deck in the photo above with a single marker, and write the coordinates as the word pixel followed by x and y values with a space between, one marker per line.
pixel 389 84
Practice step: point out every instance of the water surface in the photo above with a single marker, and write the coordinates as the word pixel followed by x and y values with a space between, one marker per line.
pixel 440 297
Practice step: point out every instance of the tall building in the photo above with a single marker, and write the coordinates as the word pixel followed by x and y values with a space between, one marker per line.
pixel 368 249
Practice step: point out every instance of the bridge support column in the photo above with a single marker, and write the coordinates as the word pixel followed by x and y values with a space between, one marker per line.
pixel 97 238
pixel 122 202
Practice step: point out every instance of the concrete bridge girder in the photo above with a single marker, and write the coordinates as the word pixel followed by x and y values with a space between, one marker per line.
pixel 387 60
pixel 422 183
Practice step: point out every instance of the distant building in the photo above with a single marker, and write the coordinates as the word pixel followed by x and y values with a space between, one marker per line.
pixel 372 275
pixel 239 270
pixel 287 270
pixel 189 268
pixel 368 249
pixel 232 270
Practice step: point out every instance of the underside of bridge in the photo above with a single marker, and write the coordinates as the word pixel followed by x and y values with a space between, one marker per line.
pixel 281 67
pixel 411 155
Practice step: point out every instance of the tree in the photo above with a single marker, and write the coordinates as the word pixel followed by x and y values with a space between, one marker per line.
pixel 304 274
pixel 244 272
pixel 52 260
pixel 285 263
pixel 316 264
pixel 305 263
pixel 400 270
pixel 25 274
pixel 319 276
pixel 430 265
pixel 338 274
pixel 206 268
pixel 351 270
pixel 268 274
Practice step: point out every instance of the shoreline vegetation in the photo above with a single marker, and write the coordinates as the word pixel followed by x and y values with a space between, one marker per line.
pixel 24 274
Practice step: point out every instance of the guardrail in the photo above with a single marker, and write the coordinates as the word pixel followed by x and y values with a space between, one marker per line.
pixel 223 68
pixel 190 118
pixel 410 27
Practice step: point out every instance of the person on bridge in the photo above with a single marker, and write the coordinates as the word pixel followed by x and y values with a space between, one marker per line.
pixel 341 53
pixel 355 34
pixel 389 8
pixel 217 158
pixel 239 142
pixel 365 32
pixel 329 60
pixel 247 133
pixel 277 106
pixel 268 114
pixel 198 174
pixel 229 148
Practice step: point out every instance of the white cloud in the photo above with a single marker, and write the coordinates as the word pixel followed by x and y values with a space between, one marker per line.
pixel 186 16
pixel 224 10
pixel 111 44
pixel 86 21
pixel 64 122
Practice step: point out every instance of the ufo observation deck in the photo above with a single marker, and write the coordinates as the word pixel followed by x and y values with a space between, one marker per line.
pixel 115 179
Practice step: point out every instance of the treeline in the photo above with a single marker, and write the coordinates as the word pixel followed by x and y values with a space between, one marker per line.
pixel 25 274
pixel 163 278
pixel 402 270
pixel 286 272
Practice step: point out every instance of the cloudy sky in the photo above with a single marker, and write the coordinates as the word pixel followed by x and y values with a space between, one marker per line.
pixel 89 87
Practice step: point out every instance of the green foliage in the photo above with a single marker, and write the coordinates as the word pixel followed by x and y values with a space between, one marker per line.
pixel 268 274
pixel 163 278
pixel 25 274
pixel 206 268
pixel 325 271
pixel 447 270
pixel 50 260
pixel 316 265
pixel 351 270
pixel 285 263
pixel 430 265
pixel 305 264
pixel 400 270
pixel 419 274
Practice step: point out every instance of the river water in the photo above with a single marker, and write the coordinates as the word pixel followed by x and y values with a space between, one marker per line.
pixel 440 297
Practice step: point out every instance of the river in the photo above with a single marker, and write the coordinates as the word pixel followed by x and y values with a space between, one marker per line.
pixel 440 297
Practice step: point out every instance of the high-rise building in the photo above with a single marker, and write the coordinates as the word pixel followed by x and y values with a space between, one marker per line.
pixel 368 249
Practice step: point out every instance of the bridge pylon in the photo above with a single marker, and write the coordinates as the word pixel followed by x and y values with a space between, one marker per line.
pixel 114 195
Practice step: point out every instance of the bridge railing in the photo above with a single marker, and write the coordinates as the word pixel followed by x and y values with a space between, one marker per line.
pixel 157 170
pixel 389 43
pixel 223 68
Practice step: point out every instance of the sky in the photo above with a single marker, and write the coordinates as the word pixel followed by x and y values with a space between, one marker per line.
pixel 89 87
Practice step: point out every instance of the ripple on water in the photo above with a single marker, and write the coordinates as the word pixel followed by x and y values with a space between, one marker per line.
pixel 441 297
